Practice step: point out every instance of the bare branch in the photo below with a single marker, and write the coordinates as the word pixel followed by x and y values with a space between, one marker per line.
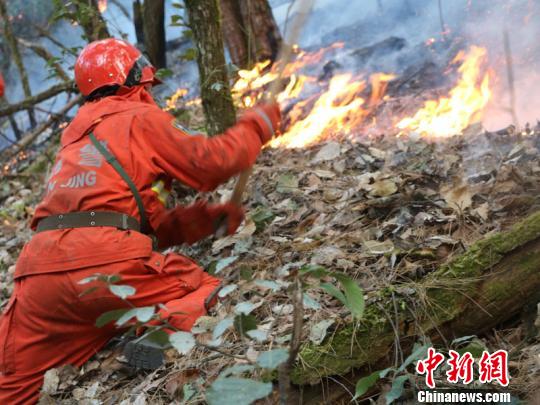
pixel 33 135
pixel 12 41
pixel 45 55
pixel 38 98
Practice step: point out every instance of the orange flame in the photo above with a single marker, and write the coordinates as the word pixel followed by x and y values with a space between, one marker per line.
pixel 171 101
pixel 450 115
pixel 102 6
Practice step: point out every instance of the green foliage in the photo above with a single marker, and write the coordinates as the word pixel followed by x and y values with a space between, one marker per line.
pixel 122 291
pixel 110 316
pixel 272 358
pixel 182 341
pixel 143 314
pixel 163 73
pixel 262 216
pixel 189 54
pixel 236 391
pixel 244 323
pixel 399 379
pixel 352 295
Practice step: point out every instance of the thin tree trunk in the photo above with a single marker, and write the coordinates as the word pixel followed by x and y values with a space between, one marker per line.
pixel 138 21
pixel 250 31
pixel 234 33
pixel 154 31
pixel 90 19
pixel 12 41
pixel 264 39
pixel 205 23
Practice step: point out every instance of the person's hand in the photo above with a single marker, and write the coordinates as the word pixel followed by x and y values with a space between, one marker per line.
pixel 195 222
pixel 267 118
pixel 228 214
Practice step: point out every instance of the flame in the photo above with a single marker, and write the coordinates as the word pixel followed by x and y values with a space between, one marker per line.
pixel 102 6
pixel 450 115
pixel 337 109
pixel 171 101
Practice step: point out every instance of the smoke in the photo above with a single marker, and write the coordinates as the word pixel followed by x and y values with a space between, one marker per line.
pixel 453 26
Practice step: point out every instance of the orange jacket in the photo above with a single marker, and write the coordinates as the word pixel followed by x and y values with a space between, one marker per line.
pixel 153 151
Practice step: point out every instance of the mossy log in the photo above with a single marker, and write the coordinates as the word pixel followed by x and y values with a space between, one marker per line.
pixel 487 285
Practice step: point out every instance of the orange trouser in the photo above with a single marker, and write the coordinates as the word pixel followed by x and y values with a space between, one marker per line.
pixel 47 322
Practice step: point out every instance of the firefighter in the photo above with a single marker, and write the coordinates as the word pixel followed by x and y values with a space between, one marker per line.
pixel 103 199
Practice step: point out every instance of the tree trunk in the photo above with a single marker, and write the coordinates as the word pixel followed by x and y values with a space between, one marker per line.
pixel 485 286
pixel 234 34
pixel 14 48
pixel 205 23
pixel 90 19
pixel 250 31
pixel 138 22
pixel 154 31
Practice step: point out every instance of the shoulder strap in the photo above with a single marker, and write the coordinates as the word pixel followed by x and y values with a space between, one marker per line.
pixel 111 159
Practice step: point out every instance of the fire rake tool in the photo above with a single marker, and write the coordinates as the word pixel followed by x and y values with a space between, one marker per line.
pixel 285 56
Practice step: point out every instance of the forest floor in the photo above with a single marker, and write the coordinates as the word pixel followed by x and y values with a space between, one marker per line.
pixel 382 210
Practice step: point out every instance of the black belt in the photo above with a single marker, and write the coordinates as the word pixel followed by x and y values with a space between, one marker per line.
pixel 88 219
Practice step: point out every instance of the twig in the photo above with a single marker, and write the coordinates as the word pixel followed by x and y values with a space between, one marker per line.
pixel 121 7
pixel 43 32
pixel 38 98
pixel 296 341
pixel 46 56
pixel 31 137
pixel 441 19
pixel 13 123
pixel 510 75
pixel 12 41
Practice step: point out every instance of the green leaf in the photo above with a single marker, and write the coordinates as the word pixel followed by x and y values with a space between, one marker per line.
pixel 334 292
pixel 310 302
pixel 397 389
pixel 122 291
pixel 258 335
pixel 159 337
pixel 94 277
pixel 237 391
pixel 244 323
pixel 272 285
pixel 244 308
pixel 227 290
pixel 419 352
pixel 354 295
pixel 221 327
pixel 223 263
pixel 287 183
pixel 163 73
pixel 88 291
pixel 314 271
pixel 182 341
pixel 189 54
pixel 365 383
pixel 236 369
pixel 273 358
pixel 143 314
pixel 110 316
pixel 261 216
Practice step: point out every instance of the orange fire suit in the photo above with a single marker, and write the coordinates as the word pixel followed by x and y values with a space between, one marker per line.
pixel 2 85
pixel 47 322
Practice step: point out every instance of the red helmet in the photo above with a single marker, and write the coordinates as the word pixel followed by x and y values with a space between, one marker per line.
pixel 2 85
pixel 111 62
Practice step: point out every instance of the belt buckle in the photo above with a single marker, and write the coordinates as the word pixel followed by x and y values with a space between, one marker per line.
pixel 124 222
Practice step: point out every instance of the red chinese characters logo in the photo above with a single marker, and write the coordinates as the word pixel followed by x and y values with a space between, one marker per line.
pixel 461 368
pixel 491 367
pixel 429 365
pixel 494 367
